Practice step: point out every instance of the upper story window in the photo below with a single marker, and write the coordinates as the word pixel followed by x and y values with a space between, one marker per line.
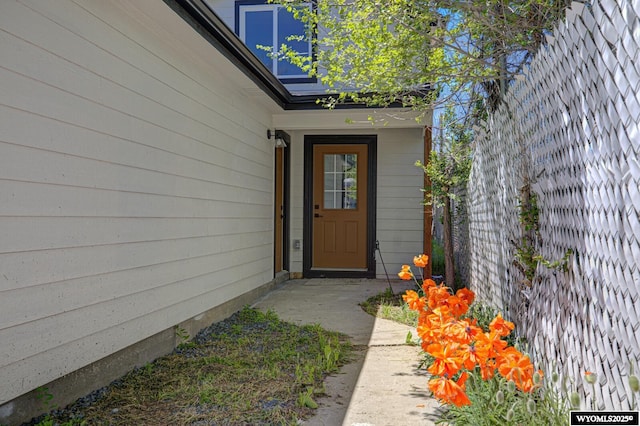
pixel 271 25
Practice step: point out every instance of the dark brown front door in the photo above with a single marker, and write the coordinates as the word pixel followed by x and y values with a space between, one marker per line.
pixel 339 207
pixel 281 204
pixel 279 211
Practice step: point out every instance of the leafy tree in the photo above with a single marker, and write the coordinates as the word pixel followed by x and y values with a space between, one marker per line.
pixel 401 50
pixel 420 54
pixel 447 170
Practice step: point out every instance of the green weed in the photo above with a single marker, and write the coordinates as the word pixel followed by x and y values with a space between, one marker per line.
pixel 305 399
pixel 184 338
pixel 250 369
pixel 390 306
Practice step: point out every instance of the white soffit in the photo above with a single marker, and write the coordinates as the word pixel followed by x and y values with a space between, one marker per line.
pixel 351 119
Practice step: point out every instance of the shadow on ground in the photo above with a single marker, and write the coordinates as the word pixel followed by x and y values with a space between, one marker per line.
pixel 383 385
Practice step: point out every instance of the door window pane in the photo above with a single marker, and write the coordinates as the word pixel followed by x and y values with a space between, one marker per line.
pixel 340 181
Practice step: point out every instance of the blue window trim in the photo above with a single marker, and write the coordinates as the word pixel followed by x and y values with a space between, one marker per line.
pixel 284 80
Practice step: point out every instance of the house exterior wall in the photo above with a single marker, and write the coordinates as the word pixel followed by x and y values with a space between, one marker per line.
pixel 399 215
pixel 136 182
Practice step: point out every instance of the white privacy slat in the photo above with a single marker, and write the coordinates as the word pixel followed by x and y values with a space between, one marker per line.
pixel 574 129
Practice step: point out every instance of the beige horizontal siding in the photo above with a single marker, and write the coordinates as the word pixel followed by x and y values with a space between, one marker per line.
pixel 399 192
pixel 38 199
pixel 400 213
pixel 135 182
pixel 62 169
pixel 21 234
pixel 133 122
pixel 105 301
pixel 86 349
pixel 174 156
pixel 33 269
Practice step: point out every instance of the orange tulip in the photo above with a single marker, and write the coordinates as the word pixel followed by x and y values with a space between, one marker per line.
pixel 500 326
pixel 462 380
pixel 405 273
pixel 427 284
pixel 457 344
pixel 423 316
pixel 415 302
pixel 441 316
pixel 446 360
pixel 472 356
pixel 448 391
pixel 430 330
pixel 491 342
pixel 438 296
pixel 462 331
pixel 488 369
pixel 458 306
pixel 421 261
pixel 466 295
pixel 515 366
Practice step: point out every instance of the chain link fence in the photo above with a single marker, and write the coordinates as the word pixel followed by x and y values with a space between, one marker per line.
pixel 568 134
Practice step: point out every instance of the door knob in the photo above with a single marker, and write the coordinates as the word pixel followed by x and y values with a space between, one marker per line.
pixel 317 215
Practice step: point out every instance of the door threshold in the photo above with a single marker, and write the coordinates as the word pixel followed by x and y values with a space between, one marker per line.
pixel 339 273
pixel 341 269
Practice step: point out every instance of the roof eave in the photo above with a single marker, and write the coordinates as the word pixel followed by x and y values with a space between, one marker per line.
pixel 209 25
pixel 215 31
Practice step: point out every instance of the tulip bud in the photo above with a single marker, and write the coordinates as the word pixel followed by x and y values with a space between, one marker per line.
pixel 574 398
pixel 499 397
pixel 590 377
pixel 510 414
pixel 531 406
pixel 537 378
pixel 511 386
pixel 634 384
pixel 554 377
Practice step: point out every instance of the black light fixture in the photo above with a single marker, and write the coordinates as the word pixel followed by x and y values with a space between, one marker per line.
pixel 278 139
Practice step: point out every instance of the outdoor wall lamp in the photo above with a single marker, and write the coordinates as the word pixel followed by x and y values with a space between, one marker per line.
pixel 278 139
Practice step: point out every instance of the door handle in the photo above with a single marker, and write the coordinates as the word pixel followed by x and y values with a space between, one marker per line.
pixel 317 215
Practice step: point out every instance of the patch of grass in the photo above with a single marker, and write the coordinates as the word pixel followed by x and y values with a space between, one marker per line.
pixel 252 368
pixel 390 306
pixel 498 402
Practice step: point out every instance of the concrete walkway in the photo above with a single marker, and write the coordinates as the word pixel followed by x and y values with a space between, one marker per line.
pixel 382 386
